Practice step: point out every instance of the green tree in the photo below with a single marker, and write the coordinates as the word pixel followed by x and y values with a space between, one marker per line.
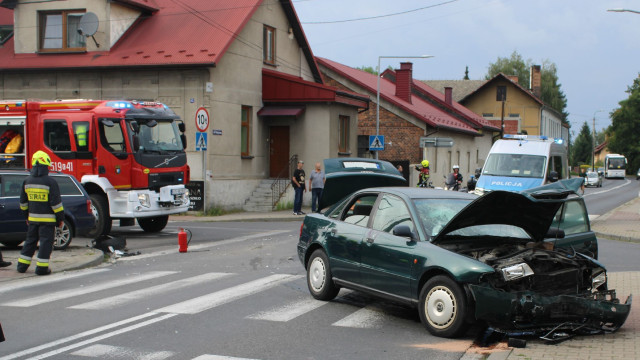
pixel 369 69
pixel 551 93
pixel 625 127
pixel 582 149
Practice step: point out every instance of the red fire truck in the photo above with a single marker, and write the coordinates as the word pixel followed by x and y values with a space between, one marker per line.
pixel 128 155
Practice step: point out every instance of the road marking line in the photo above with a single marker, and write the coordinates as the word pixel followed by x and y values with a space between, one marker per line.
pixel 219 357
pixel 206 302
pixel 626 182
pixel 289 311
pixel 102 337
pixel 76 337
pixel 205 246
pixel 118 352
pixel 55 277
pixel 365 318
pixel 119 300
pixel 65 294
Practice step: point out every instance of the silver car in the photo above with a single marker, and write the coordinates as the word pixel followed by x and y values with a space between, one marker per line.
pixel 593 179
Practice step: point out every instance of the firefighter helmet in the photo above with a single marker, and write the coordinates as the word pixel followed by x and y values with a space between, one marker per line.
pixel 425 163
pixel 40 157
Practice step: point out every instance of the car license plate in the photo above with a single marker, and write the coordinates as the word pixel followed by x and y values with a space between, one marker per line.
pixel 178 191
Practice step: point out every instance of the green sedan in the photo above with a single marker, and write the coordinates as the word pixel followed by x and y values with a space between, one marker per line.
pixel 520 262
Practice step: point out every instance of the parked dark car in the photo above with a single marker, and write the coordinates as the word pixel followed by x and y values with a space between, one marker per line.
pixel 78 217
pixel 521 262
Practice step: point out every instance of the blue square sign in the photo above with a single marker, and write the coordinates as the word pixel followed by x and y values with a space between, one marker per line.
pixel 376 142
pixel 201 141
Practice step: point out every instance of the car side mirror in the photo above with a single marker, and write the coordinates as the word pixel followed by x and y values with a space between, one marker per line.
pixel 181 127
pixel 555 233
pixel 135 126
pixel 183 138
pixel 553 176
pixel 136 143
pixel 404 231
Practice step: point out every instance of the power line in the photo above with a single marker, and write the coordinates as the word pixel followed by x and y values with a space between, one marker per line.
pixel 377 16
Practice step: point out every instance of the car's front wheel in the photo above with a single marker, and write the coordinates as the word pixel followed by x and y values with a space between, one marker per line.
pixel 319 279
pixel 63 236
pixel 442 307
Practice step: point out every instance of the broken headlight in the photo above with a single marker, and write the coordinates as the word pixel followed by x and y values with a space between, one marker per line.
pixel 599 280
pixel 517 271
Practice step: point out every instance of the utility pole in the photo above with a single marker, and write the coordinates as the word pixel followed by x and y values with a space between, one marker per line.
pixel 593 152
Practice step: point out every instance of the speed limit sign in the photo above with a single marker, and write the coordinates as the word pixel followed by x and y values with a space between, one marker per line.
pixel 202 119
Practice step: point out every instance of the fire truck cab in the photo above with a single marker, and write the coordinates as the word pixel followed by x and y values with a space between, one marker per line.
pixel 128 155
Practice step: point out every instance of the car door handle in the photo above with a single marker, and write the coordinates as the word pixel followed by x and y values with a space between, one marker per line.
pixel 369 240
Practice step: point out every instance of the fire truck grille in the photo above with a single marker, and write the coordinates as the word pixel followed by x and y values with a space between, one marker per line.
pixel 156 181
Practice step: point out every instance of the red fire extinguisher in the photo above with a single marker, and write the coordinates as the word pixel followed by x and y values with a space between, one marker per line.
pixel 183 240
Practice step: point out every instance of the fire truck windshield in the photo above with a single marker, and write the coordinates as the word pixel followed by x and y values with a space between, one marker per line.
pixel 162 137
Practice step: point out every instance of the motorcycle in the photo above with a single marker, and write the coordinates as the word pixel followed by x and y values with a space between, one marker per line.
pixel 450 183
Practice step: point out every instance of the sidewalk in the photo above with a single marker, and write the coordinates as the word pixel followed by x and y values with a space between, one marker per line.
pixel 621 223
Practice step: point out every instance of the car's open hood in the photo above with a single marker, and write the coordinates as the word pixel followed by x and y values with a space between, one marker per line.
pixel 346 175
pixel 531 210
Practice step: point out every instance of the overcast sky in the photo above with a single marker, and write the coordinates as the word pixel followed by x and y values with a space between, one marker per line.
pixel 597 53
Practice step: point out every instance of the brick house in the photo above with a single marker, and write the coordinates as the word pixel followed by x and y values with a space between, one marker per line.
pixel 410 110
pixel 250 65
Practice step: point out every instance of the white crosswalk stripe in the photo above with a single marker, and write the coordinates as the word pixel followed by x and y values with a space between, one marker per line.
pixel 289 311
pixel 119 300
pixel 53 278
pixel 118 352
pixel 209 301
pixel 365 318
pixel 65 294
pixel 219 357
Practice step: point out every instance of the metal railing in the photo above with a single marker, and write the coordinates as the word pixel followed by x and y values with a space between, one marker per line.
pixel 282 181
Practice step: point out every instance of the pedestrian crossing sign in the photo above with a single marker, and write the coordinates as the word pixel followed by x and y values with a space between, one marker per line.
pixel 201 141
pixel 376 142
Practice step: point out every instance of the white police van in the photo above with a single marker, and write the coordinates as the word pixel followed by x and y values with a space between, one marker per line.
pixel 520 162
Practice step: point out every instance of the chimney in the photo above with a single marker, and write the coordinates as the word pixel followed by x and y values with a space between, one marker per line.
pixel 536 80
pixel 448 95
pixel 513 78
pixel 404 81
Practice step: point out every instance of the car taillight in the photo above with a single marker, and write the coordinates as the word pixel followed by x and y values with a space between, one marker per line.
pixel 301 226
pixel 89 207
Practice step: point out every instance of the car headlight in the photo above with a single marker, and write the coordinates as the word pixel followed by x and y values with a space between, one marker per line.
pixel 599 280
pixel 516 271
pixel 144 200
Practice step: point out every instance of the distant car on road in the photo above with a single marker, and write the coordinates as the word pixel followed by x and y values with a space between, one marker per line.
pixel 593 179
pixel 78 217
pixel 638 175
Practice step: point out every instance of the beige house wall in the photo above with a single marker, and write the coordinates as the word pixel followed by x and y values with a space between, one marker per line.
pixel 527 110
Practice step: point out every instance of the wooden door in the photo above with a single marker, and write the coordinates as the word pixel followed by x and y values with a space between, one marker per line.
pixel 278 150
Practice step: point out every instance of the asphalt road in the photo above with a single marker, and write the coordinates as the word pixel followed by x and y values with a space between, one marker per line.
pixel 613 193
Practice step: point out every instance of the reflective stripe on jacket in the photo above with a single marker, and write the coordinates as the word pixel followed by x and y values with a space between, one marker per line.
pixel 40 198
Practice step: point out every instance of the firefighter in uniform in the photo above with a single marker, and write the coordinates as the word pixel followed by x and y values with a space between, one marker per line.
pixel 42 205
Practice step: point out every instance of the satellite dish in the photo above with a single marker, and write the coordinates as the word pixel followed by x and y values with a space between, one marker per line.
pixel 88 24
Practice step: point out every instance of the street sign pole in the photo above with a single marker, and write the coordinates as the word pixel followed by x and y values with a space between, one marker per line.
pixel 202 124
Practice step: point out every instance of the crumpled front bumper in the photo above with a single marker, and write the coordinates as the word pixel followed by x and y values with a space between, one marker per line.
pixel 532 311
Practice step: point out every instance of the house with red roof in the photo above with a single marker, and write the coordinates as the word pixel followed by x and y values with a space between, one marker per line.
pixel 410 111
pixel 503 101
pixel 247 62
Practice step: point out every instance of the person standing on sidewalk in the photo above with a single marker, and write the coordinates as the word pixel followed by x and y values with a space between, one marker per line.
pixel 42 205
pixel 297 181
pixel 316 184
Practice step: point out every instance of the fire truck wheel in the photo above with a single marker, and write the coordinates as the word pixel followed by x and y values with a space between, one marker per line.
pixel 100 209
pixel 153 224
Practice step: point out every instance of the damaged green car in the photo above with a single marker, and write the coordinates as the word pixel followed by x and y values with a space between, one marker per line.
pixel 523 263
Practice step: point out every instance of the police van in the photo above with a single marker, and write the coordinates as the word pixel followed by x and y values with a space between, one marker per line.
pixel 520 162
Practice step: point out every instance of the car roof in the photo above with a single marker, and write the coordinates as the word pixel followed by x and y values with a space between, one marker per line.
pixel 422 193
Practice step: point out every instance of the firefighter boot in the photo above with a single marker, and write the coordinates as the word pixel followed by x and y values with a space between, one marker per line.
pixel 43 270
pixel 22 267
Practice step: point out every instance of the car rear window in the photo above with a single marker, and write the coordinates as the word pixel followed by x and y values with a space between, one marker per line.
pixel 67 186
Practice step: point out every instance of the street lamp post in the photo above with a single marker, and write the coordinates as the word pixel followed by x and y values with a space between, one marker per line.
pixel 624 10
pixel 593 147
pixel 378 86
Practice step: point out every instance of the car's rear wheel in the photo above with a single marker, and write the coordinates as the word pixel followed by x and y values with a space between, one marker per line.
pixel 442 307
pixel 63 236
pixel 319 279
pixel 153 224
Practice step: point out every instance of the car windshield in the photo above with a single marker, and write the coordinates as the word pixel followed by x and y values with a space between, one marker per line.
pixel 164 136
pixel 515 165
pixel 436 213
pixel 592 175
